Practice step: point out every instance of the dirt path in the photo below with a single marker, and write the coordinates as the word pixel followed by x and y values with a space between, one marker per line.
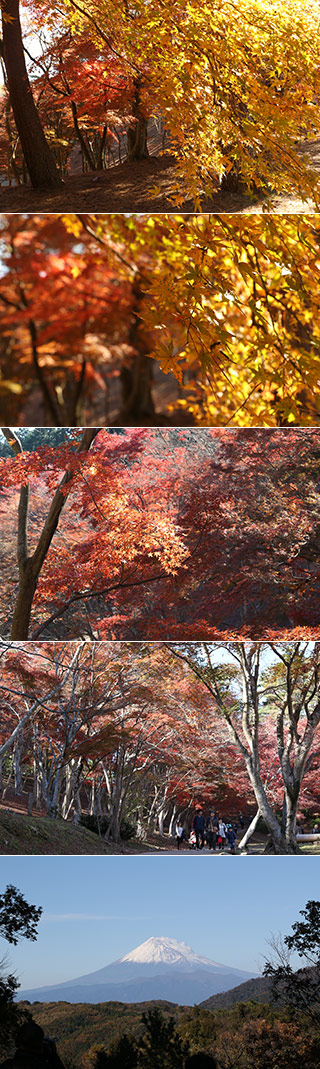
pixel 126 188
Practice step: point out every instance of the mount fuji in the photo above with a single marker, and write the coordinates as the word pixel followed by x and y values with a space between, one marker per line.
pixel 160 968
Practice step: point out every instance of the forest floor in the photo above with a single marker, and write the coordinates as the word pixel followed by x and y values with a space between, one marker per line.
pixel 128 187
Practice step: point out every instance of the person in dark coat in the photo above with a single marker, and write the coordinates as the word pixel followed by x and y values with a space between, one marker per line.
pixel 211 830
pixel 199 829
pixel 231 837
pixel 33 1050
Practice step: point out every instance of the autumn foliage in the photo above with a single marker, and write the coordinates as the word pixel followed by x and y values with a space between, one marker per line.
pixel 147 732
pixel 226 306
pixel 162 533
pixel 237 85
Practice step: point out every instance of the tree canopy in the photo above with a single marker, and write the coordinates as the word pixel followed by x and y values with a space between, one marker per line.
pixel 162 533
pixel 299 988
pixel 227 307
pixel 236 84
pixel 18 919
pixel 132 735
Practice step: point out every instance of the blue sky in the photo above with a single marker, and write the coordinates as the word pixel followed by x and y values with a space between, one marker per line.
pixel 98 908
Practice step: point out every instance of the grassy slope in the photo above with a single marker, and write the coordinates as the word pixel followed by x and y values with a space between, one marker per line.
pixel 20 834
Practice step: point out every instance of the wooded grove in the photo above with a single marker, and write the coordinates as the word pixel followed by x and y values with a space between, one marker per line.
pixel 161 533
pixel 235 85
pixel 92 307
pixel 136 735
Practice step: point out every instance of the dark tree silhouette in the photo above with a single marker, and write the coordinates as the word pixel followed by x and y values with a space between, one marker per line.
pixel 299 988
pixel 18 920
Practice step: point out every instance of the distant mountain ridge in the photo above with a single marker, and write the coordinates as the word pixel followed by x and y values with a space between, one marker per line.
pixel 258 989
pixel 160 968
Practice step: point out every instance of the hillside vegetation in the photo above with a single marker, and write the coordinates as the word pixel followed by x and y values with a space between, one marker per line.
pixel 75 1027
pixel 20 834
pixel 257 989
pixel 84 1032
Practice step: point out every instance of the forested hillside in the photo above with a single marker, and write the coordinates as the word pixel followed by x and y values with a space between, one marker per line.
pixel 255 1034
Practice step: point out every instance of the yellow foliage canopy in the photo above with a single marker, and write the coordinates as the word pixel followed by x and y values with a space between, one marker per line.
pixel 236 81
pixel 232 301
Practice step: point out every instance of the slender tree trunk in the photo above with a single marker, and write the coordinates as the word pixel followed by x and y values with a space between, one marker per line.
pixel 30 566
pixel 39 160
pixel 83 145
pixel 67 792
pixel 54 797
pixel 250 830
pixel 137 135
pixel 17 766
pixel 161 817
pixel 291 818
pixel 113 831
pixel 173 821
pixel 136 375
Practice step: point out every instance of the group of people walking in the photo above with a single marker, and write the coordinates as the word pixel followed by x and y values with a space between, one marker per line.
pixel 210 830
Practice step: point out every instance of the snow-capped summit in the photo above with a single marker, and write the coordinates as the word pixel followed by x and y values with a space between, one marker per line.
pixel 168 951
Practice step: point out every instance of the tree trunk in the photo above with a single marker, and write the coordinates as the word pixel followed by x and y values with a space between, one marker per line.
pixel 83 145
pixel 30 567
pixel 161 817
pixel 23 606
pixel 136 386
pixel 113 831
pixel 40 163
pixel 137 135
pixel 250 830
pixel 137 138
pixel 278 840
pixel 136 374
pixel 173 821
pixel 291 818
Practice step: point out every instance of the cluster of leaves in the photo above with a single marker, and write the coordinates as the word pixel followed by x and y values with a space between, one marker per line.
pixel 230 308
pixel 84 97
